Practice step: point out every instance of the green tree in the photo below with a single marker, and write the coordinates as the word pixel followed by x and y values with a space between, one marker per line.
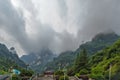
pixel 81 61
pixel 83 72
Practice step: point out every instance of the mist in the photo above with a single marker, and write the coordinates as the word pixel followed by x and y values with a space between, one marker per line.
pixel 58 25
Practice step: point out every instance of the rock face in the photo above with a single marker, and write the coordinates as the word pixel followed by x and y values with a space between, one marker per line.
pixel 38 60
pixel 9 57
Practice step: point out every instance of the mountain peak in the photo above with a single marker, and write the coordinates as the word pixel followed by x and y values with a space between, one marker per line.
pixel 105 36
pixel 5 53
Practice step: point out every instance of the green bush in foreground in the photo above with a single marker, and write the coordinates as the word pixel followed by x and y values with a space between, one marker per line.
pixel 15 77
pixel 26 73
pixel 62 78
pixel 83 72
pixel 2 72
pixel 60 73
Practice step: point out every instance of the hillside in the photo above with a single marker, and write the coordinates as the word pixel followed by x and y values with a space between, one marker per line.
pixel 102 61
pixel 98 43
pixel 64 59
pixel 9 58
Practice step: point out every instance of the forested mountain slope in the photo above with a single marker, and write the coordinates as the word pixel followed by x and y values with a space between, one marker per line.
pixel 99 42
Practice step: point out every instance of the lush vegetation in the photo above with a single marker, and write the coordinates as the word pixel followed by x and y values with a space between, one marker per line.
pixel 103 60
pixel 104 63
pixel 63 60
pixel 67 58
pixel 81 62
pixel 64 78
pixel 9 60
pixel 5 65
pixel 25 75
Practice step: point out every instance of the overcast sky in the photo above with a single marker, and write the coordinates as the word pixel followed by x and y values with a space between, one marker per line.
pixel 58 25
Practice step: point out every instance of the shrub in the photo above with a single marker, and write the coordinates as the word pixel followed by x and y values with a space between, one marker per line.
pixel 97 76
pixel 15 77
pixel 71 72
pixel 97 73
pixel 77 74
pixel 26 73
pixel 62 78
pixel 83 72
pixel 2 72
pixel 60 73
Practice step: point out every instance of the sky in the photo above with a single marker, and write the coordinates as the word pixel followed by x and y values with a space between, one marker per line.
pixel 58 25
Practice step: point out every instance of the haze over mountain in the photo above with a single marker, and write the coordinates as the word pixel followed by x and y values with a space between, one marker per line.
pixel 59 25
pixel 39 60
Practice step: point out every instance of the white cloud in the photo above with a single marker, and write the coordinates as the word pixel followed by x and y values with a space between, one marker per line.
pixel 56 24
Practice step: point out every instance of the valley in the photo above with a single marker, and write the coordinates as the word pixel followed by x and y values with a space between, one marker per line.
pixel 59 39
pixel 92 59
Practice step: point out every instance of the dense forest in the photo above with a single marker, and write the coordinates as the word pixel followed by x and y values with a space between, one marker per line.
pixel 99 66
pixel 99 42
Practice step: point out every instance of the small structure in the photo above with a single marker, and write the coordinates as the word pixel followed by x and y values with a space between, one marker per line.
pixel 49 73
pixel 15 71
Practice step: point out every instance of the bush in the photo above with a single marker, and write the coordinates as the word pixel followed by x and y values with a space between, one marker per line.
pixel 97 76
pixel 97 73
pixel 28 73
pixel 77 74
pixel 15 77
pixel 71 72
pixel 83 72
pixel 62 78
pixel 60 73
pixel 2 72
